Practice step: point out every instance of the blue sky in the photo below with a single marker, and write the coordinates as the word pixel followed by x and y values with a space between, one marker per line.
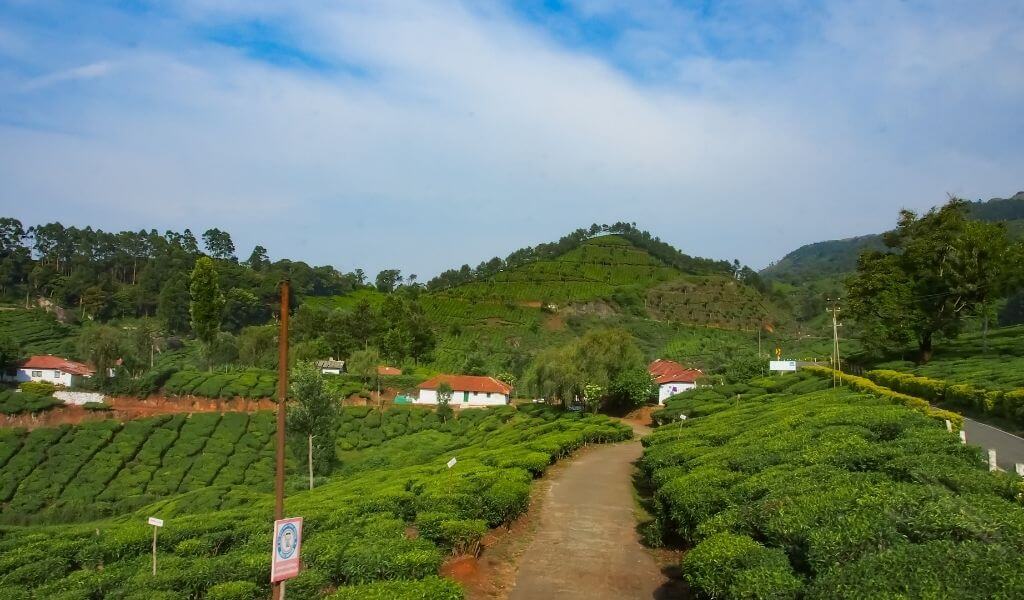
pixel 422 135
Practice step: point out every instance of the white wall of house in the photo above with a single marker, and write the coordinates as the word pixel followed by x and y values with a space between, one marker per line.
pixel 463 398
pixel 667 390
pixel 53 376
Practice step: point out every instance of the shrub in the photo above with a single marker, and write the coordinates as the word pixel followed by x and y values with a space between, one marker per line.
pixel 234 590
pixel 735 566
pixel 38 388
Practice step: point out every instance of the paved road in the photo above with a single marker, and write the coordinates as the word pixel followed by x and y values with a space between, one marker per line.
pixel 1009 448
pixel 586 546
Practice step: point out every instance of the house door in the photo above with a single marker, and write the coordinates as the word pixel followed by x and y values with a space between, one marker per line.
pixel 465 396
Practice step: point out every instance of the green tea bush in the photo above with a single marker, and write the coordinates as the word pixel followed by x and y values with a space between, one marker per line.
pixel 234 590
pixel 14 403
pixel 359 522
pixel 37 332
pixel 866 385
pixel 735 566
pixel 38 388
pixel 828 494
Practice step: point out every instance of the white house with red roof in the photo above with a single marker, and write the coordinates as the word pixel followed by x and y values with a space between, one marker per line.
pixel 672 378
pixel 51 369
pixel 467 390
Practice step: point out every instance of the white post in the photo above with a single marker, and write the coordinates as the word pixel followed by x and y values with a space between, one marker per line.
pixel 310 462
pixel 1020 469
pixel 154 550
pixel 949 426
pixel 992 466
pixel 963 437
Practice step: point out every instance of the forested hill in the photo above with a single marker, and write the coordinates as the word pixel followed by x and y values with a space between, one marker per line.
pixel 641 240
pixel 836 257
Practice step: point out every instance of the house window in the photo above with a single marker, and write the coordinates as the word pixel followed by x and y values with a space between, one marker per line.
pixel 57 374
pixel 488 394
pixel 465 396
pixel 37 373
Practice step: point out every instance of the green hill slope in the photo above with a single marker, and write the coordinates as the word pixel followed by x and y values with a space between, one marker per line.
pixel 833 258
pixel 596 269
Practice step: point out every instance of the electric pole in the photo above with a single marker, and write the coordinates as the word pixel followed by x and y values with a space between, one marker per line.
pixel 837 366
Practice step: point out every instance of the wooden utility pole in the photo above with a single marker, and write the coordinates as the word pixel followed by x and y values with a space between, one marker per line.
pixel 837 366
pixel 282 393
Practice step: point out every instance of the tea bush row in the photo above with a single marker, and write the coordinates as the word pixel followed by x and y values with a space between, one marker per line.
pixel 36 332
pixel 250 383
pixel 357 525
pixel 1002 403
pixel 102 468
pixel 864 384
pixel 790 492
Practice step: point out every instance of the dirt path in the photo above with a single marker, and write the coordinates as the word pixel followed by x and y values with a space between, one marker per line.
pixel 586 545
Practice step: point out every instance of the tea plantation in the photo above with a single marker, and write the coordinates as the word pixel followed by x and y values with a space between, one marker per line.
pixel 36 331
pixel 786 488
pixel 378 528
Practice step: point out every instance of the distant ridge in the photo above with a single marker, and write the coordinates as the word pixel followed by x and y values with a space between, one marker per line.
pixel 833 258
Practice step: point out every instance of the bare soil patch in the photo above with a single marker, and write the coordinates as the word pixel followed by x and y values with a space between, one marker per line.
pixel 128 408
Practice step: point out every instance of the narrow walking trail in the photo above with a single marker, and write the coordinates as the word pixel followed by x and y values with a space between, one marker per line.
pixel 586 545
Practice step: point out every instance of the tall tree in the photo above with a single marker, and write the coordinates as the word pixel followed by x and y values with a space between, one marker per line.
pixel 941 268
pixel 313 415
pixel 218 244
pixel 258 260
pixel 207 305
pixel 444 401
pixel 173 305
pixel 102 346
pixel 388 280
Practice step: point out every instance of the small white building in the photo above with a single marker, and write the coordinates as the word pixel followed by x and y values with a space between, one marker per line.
pixel 51 369
pixel 331 366
pixel 467 390
pixel 672 378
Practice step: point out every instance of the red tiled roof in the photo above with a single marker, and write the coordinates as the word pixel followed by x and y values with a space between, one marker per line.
pixel 384 370
pixel 466 383
pixel 668 371
pixel 55 362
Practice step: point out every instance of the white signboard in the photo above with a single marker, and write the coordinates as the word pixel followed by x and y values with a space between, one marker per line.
pixel 452 462
pixel 155 522
pixel 782 365
pixel 285 555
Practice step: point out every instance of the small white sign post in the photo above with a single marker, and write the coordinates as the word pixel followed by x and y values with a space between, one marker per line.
pixel 452 462
pixel 949 426
pixel 284 563
pixel 681 419
pixel 157 524
pixel 1020 469
pixel 963 437
pixel 992 466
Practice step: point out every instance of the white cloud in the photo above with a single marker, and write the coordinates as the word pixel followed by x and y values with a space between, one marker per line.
pixel 80 73
pixel 474 122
